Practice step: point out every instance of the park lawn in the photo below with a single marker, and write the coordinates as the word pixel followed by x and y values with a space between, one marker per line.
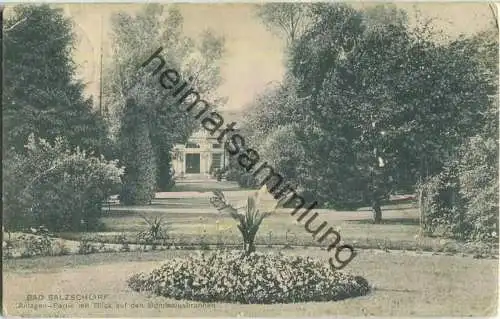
pixel 399 229
pixel 405 285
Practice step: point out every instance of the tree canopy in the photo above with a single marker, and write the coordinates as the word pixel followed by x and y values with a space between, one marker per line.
pixel 41 94
pixel 376 105
pixel 134 39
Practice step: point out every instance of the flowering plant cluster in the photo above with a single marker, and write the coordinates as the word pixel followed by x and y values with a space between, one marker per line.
pixel 258 278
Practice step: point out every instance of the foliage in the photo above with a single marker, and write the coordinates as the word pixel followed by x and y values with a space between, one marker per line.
pixel 284 153
pixel 85 247
pixel 60 249
pixel 376 105
pixel 134 39
pixel 16 200
pixel 234 172
pixel 277 105
pixel 250 279
pixel 156 230
pixel 288 19
pixel 478 178
pixel 164 174
pixel 38 242
pixel 35 242
pixel 384 14
pixel 462 201
pixel 41 94
pixel 439 204
pixel 53 186
pixel 249 216
pixel 137 155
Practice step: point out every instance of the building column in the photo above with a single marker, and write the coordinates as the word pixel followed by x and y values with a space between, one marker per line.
pixel 183 162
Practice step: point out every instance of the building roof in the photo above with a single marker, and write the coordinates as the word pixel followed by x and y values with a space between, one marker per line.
pixel 202 133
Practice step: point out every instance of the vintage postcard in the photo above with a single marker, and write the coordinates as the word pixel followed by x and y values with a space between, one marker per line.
pixel 250 160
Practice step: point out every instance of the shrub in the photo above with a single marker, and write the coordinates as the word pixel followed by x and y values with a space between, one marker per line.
pixel 84 247
pixel 439 204
pixel 38 243
pixel 244 179
pixel 7 249
pixel 282 150
pixel 59 188
pixel 478 179
pixel 462 201
pixel 16 199
pixel 250 279
pixel 60 249
pixel 137 155
pixel 234 172
pixel 125 247
pixel 164 173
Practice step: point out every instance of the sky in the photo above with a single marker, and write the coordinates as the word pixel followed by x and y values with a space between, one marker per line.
pixel 254 56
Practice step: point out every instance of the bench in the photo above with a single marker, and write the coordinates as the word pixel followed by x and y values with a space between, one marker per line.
pixel 109 201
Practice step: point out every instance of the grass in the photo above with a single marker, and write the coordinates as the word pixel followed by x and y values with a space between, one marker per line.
pixel 194 222
pixel 405 285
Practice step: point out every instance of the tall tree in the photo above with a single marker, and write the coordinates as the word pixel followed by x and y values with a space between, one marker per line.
pixel 135 38
pixel 395 104
pixel 139 182
pixel 289 20
pixel 41 94
pixel 381 105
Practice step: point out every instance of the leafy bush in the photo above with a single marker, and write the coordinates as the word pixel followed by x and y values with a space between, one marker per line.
pixel 16 199
pixel 164 173
pixel 439 204
pixel 462 201
pixel 7 249
pixel 478 178
pixel 282 150
pixel 60 249
pixel 85 247
pixel 234 172
pixel 251 279
pixel 238 175
pixel 38 243
pixel 56 187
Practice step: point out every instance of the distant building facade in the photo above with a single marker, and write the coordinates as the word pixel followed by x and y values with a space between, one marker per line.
pixel 201 155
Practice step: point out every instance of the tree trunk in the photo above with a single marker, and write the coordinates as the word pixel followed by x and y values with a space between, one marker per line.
pixel 377 211
pixel 422 208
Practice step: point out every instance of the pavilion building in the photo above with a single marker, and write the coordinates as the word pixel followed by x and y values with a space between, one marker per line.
pixel 199 157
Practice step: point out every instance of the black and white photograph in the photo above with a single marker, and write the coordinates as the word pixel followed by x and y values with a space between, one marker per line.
pixel 259 159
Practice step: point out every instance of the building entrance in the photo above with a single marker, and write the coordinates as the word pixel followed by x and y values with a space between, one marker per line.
pixel 193 163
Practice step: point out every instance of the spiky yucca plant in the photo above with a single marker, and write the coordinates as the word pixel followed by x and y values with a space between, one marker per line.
pixel 156 229
pixel 249 216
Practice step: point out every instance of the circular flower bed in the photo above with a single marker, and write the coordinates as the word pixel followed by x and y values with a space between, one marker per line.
pixel 256 279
